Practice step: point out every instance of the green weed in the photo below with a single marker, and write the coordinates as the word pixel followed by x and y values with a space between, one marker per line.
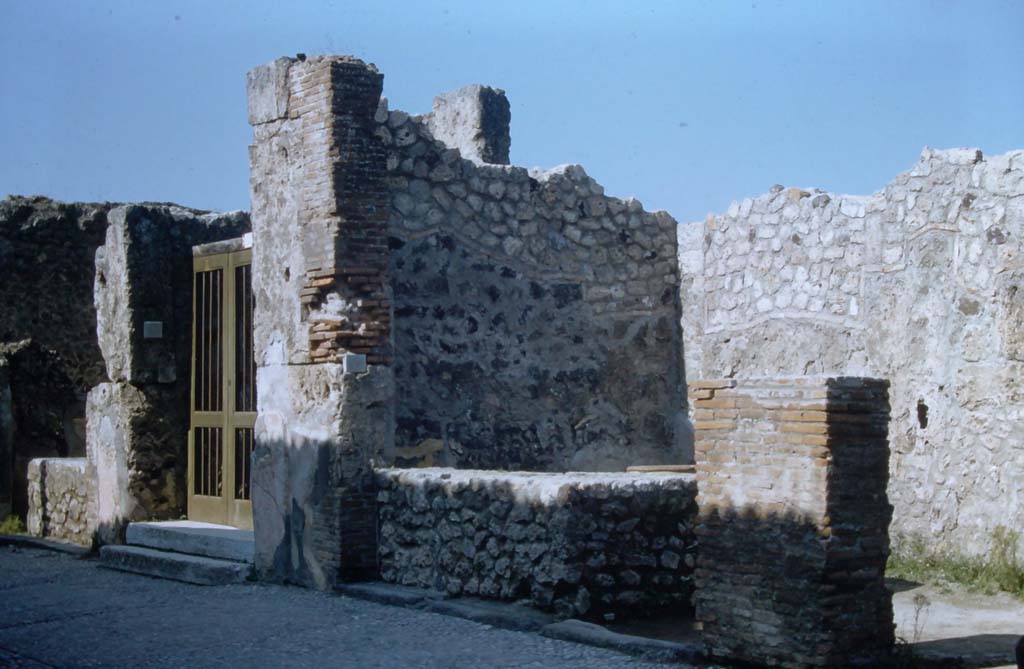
pixel 12 525
pixel 1000 570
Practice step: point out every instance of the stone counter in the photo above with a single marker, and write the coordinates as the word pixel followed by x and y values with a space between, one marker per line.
pixel 592 545
pixel 59 493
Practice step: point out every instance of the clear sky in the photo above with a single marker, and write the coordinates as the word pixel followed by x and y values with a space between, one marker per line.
pixel 684 105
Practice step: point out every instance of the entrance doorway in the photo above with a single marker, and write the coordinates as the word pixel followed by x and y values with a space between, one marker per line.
pixel 223 398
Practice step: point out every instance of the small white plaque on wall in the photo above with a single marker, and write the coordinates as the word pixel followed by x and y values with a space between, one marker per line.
pixel 354 363
pixel 152 329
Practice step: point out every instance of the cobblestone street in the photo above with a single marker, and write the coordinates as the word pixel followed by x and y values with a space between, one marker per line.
pixel 61 611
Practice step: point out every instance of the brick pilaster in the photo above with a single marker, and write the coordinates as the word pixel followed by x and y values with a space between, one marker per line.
pixel 793 520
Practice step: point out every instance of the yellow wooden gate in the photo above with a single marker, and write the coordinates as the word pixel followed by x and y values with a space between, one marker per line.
pixel 223 409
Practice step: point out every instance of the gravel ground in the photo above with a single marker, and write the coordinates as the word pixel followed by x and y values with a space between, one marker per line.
pixel 58 610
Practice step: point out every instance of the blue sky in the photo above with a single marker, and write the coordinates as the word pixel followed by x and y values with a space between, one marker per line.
pixel 684 105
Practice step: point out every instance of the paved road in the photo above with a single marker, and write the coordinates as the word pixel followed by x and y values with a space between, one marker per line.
pixel 57 610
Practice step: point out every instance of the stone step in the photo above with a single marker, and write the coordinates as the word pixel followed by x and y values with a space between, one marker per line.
pixel 188 536
pixel 175 566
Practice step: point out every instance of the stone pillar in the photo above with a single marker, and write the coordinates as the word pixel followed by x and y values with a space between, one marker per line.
pixel 793 520
pixel 475 120
pixel 323 317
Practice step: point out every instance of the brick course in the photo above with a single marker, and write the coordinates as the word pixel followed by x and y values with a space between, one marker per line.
pixel 793 520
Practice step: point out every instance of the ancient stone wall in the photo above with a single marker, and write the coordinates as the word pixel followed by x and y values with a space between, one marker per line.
pixel 60 500
pixel 47 332
pixel 793 521
pixel 46 250
pixel 919 283
pixel 536 318
pixel 605 546
pixel 84 278
pixel 6 442
pixel 320 278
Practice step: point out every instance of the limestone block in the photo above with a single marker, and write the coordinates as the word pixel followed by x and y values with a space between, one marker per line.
pixel 137 449
pixel 475 120
pixel 144 273
pixel 268 91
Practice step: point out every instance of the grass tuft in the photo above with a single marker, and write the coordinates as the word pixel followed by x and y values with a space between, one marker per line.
pixel 1000 570
pixel 12 525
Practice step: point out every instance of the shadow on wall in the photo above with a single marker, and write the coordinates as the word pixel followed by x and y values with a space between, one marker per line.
pixel 771 587
pixel 508 368
pixel 793 520
pixel 43 416
pixel 588 546
pixel 314 513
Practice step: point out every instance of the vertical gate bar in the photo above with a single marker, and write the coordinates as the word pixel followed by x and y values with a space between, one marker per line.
pixel 250 332
pixel 218 469
pixel 209 461
pixel 218 353
pixel 208 278
pixel 202 453
pixel 206 340
pixel 197 400
pixel 227 370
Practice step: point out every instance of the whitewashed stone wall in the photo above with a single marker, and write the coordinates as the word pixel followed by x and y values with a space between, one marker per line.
pixel 920 283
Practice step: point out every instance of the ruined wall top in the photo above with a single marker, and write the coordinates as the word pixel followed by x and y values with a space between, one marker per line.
pixel 475 120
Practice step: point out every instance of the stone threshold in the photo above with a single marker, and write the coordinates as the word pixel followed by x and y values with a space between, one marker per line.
pixel 521 618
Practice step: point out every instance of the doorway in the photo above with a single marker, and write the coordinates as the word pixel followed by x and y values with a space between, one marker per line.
pixel 223 395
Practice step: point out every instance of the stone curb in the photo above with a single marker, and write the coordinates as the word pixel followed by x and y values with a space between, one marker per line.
pixel 23 541
pixel 522 619
pixel 392 595
pixel 643 647
pixel 508 616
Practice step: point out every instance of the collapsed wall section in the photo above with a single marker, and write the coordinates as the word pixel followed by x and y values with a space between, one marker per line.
pixel 600 545
pixel 919 283
pixel 536 318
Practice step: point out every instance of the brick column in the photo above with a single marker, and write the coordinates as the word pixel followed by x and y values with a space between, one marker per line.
pixel 323 317
pixel 793 520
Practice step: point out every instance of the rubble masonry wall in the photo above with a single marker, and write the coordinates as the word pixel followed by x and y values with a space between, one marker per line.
pixel 61 499
pixel 536 318
pixel 579 544
pixel 921 283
